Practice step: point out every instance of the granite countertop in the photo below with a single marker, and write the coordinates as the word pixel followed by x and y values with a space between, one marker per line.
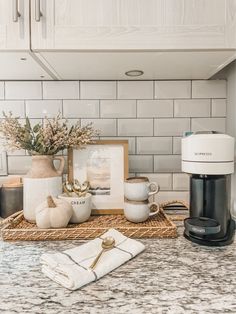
pixel 170 276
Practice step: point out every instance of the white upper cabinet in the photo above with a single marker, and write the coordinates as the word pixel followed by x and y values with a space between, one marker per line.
pixel 14 25
pixel 17 62
pixel 133 24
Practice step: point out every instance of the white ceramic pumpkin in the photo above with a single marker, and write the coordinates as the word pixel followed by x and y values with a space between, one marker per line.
pixel 53 213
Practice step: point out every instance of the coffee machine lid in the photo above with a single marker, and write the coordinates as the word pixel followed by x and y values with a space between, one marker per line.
pixel 209 153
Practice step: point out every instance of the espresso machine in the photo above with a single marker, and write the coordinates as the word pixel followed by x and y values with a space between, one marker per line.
pixel 209 159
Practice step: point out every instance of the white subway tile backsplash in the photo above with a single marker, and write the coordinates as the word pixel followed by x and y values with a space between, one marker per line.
pixel 1 90
pixel 209 89
pixel 107 127
pixel 218 108
pixel 172 89
pixel 131 141
pixel 154 145
pixel 17 108
pixel 135 127
pixel 43 108
pixel 33 122
pixel 118 108
pixel 164 196
pixel 81 108
pixel 98 90
pixel 180 181
pixel 155 108
pixel 192 107
pixel 61 90
pixel 171 127
pixel 71 122
pixel 139 163
pixel 167 163
pixel 152 116
pixel 23 90
pixel 18 152
pixel 19 164
pixel 177 145
pixel 208 124
pixel 135 90
pixel 164 180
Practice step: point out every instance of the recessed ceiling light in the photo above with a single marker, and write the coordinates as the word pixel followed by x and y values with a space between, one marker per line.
pixel 134 73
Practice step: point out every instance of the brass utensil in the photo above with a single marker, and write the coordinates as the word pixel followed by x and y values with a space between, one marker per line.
pixel 85 186
pixel 68 188
pixel 80 189
pixel 77 187
pixel 107 244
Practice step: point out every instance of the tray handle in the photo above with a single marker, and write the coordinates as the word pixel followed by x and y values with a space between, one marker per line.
pixel 172 202
pixel 10 218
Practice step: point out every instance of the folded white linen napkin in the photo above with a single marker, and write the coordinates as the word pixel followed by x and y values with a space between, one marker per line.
pixel 70 268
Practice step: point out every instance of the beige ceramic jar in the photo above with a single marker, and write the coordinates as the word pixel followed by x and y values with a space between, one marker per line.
pixel 43 179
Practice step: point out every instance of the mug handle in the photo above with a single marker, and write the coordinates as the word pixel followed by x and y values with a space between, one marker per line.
pixel 62 164
pixel 156 211
pixel 156 188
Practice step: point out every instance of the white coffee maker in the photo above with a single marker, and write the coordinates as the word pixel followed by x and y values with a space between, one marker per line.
pixel 209 159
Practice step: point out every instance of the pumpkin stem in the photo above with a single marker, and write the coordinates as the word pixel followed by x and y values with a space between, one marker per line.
pixel 51 203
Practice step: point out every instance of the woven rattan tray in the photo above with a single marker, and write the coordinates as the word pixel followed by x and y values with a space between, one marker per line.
pixel 159 226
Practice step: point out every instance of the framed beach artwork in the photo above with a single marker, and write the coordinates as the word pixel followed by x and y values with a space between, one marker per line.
pixel 105 165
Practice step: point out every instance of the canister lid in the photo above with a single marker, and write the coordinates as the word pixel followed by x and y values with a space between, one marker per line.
pixel 14 182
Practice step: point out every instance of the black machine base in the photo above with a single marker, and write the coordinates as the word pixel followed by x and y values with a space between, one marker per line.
pixel 228 239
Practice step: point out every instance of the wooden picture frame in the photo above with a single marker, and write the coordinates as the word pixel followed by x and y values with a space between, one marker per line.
pixel 78 165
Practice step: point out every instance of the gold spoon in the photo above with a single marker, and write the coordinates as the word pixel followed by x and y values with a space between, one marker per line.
pixel 107 244
pixel 77 187
pixel 68 188
pixel 85 186
pixel 80 189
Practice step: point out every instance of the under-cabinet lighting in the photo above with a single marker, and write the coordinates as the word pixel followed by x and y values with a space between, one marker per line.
pixel 134 73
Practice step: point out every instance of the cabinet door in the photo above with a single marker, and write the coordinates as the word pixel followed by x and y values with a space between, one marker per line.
pixel 133 24
pixel 14 25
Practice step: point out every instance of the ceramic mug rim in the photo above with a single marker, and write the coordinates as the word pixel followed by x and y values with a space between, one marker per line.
pixel 145 202
pixel 136 179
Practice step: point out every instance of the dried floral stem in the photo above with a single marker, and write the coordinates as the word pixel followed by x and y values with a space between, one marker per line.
pixel 46 138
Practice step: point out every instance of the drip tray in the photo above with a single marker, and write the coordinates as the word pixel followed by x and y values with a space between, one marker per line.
pixel 202 225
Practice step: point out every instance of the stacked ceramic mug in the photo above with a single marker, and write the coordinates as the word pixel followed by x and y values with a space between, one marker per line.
pixel 137 207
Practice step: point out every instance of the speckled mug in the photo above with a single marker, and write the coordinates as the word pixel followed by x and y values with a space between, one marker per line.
pixel 135 211
pixel 139 188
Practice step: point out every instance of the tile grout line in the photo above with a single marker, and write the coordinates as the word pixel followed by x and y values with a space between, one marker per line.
pixel 42 88
pixel 211 107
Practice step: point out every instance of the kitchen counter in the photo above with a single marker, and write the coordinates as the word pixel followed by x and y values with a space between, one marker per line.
pixel 170 276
